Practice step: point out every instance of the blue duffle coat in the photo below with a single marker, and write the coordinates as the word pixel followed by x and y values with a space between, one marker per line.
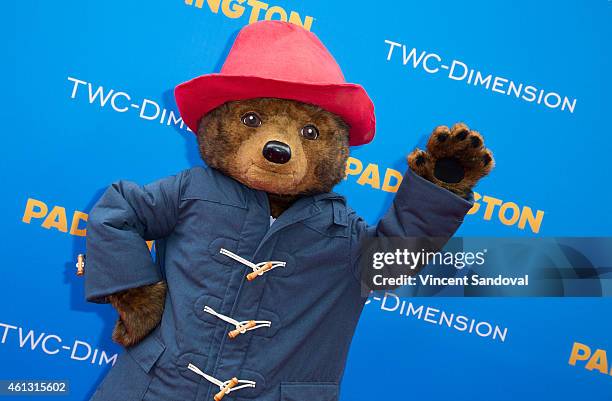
pixel 306 310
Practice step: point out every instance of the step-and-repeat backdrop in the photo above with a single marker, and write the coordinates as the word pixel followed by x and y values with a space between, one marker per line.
pixel 88 99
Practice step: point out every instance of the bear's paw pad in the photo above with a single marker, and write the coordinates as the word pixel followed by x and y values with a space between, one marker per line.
pixel 455 159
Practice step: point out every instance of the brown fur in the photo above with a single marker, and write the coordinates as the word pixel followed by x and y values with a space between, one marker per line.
pixel 140 310
pixel 461 144
pixel 315 166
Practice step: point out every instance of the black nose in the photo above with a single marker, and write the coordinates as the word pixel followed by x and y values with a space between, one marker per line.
pixel 277 152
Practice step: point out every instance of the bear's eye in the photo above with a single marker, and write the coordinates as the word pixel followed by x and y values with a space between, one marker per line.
pixel 310 132
pixel 251 119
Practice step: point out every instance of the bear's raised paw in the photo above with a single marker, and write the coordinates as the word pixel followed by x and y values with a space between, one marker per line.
pixel 455 159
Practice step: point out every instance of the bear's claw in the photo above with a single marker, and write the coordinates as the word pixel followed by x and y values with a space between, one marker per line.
pixel 455 159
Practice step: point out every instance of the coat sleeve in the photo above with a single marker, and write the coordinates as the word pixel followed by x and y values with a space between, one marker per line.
pixel 419 209
pixel 124 218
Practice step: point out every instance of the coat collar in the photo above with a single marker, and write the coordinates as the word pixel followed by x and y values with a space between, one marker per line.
pixel 329 207
pixel 236 193
pixel 329 195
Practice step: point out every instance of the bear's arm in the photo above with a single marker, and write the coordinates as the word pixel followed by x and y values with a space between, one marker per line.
pixel 124 218
pixel 420 210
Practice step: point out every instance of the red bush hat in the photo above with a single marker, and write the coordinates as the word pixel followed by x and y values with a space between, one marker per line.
pixel 281 60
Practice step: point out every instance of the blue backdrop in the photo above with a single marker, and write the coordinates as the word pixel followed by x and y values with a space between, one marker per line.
pixel 88 100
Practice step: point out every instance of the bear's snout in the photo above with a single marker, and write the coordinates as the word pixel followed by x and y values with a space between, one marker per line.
pixel 277 152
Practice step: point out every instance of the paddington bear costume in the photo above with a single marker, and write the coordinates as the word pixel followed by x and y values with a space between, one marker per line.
pixel 292 323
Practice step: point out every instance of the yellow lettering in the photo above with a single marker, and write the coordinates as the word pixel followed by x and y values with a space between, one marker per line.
pixel 234 9
pixel 256 7
pixel 491 203
pixel 231 9
pixel 34 209
pixel 580 352
pixel 390 173
pixel 77 217
pixel 476 205
pixel 276 10
pixel 370 176
pixel 212 4
pixel 598 361
pixel 515 213
pixel 56 219
pixel 295 18
pixel 353 167
pixel 534 221
pixel 199 3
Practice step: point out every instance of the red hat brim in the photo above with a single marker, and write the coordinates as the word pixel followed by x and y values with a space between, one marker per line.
pixel 197 97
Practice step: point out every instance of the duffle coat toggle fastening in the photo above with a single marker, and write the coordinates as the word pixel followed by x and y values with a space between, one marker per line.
pixel 258 268
pixel 225 387
pixel 241 327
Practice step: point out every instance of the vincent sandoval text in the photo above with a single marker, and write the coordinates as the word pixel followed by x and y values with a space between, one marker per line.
pixel 475 280
pixel 430 280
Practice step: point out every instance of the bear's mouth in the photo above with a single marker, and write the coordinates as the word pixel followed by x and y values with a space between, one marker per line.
pixel 270 180
pixel 259 169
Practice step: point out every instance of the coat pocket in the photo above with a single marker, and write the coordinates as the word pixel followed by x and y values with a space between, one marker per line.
pixel 126 381
pixel 147 352
pixel 309 391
